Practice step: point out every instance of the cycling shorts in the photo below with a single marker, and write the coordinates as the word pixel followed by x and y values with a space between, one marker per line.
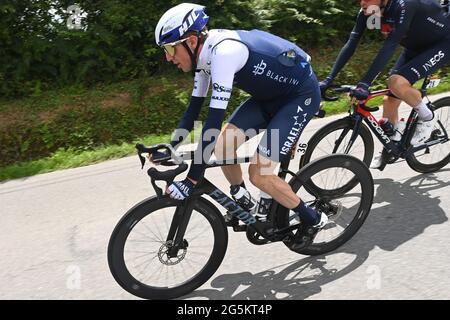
pixel 416 65
pixel 282 119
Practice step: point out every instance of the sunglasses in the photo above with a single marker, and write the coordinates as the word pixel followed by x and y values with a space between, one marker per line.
pixel 169 48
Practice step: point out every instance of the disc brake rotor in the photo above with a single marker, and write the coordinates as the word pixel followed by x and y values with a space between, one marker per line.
pixel 163 254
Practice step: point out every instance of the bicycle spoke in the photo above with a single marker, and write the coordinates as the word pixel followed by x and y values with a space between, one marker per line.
pixel 160 235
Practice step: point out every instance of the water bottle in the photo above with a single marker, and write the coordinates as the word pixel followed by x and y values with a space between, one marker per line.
pixel 243 197
pixel 387 127
pixel 399 128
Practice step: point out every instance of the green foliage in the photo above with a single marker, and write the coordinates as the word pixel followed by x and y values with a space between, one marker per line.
pixel 108 83
pixel 85 119
pixel 73 158
pixel 308 23
pixel 116 42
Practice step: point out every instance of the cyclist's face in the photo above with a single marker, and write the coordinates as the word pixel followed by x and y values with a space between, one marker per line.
pixel 181 57
pixel 366 4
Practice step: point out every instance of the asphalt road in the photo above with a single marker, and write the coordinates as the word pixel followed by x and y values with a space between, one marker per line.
pixel 56 227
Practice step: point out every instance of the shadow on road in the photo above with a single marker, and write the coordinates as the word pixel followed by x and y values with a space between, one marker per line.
pixel 401 212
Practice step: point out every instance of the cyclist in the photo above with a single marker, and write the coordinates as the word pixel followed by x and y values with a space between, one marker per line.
pixel 422 28
pixel 284 94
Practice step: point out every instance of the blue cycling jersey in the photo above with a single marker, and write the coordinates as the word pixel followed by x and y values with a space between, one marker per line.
pixel 265 66
pixel 275 67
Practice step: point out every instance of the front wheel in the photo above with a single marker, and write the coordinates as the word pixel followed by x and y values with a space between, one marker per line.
pixel 316 185
pixel 140 254
pixel 437 156
pixel 335 137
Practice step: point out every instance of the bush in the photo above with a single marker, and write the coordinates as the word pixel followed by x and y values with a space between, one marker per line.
pixel 107 84
pixel 116 41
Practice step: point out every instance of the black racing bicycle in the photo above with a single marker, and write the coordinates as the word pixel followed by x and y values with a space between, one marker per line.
pixel 164 248
pixel 350 135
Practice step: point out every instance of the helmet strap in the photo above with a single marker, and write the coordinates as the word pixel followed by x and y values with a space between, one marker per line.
pixel 193 55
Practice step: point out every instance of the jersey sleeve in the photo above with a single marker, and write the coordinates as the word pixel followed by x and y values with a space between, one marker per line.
pixel 405 13
pixel 350 47
pixel 199 92
pixel 187 121
pixel 201 84
pixel 227 59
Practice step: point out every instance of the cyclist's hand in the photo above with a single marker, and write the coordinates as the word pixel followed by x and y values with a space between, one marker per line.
pixel 361 92
pixel 325 84
pixel 156 156
pixel 180 190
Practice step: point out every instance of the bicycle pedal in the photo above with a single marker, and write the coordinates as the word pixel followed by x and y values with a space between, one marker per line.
pixel 239 228
pixel 299 245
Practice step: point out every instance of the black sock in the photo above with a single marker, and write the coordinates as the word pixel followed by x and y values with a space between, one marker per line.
pixel 264 205
pixel 235 188
pixel 307 214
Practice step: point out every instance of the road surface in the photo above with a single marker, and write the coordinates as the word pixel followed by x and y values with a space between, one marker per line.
pixel 56 229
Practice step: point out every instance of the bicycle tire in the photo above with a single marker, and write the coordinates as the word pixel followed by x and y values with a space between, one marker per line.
pixel 362 173
pixel 414 162
pixel 341 124
pixel 119 236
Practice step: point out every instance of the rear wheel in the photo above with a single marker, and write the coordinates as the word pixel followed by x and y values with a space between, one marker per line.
pixel 437 156
pixel 335 138
pixel 316 185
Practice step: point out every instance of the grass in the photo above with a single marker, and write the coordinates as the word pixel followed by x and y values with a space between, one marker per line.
pixel 64 159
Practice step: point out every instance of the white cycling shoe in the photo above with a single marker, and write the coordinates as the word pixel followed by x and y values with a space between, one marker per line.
pixel 377 162
pixel 423 131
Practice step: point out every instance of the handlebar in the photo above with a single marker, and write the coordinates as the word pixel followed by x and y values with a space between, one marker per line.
pixel 344 89
pixel 171 160
pixel 336 89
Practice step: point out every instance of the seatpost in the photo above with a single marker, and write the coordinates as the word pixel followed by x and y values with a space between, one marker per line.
pixel 445 4
pixel 426 82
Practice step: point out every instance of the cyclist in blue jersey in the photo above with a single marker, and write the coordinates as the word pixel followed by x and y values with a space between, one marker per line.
pixel 284 94
pixel 422 28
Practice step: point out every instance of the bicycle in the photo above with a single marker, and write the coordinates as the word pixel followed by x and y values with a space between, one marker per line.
pixel 164 248
pixel 350 135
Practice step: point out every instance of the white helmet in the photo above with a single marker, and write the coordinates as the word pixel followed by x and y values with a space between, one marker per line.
pixel 179 20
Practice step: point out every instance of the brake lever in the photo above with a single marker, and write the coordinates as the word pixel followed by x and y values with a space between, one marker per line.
pixel 142 159
pixel 339 89
pixel 166 176
pixel 157 189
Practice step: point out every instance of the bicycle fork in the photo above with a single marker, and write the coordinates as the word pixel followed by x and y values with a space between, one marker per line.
pixel 356 128
pixel 178 228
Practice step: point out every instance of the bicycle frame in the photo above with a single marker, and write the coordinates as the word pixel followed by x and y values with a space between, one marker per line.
pixel 399 149
pixel 205 187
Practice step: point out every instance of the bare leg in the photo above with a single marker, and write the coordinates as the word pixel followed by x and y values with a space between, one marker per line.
pixel 401 87
pixel 390 109
pixel 229 141
pixel 271 184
